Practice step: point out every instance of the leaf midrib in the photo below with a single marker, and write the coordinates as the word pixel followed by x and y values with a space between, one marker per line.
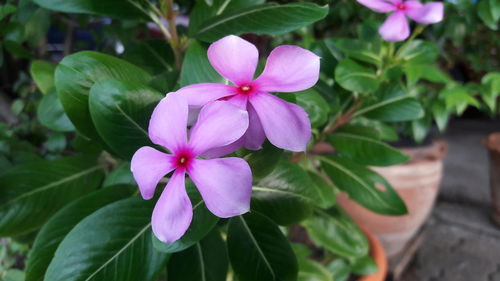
pixel 260 9
pixel 267 189
pixel 259 250
pixel 357 179
pixel 380 104
pixel 119 252
pixel 53 184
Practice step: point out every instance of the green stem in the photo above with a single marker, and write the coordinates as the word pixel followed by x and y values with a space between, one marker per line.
pixel 420 28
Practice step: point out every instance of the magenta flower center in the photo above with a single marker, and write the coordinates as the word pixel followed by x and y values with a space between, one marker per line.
pixel 183 160
pixel 245 89
pixel 401 7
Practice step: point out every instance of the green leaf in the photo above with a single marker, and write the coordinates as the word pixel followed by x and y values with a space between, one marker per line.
pixel 441 115
pixel 112 8
pixel 340 269
pixel 120 175
pixel 258 250
pixel 196 67
pixel 365 150
pixel 325 188
pixel 43 74
pixel 77 73
pixel 286 195
pixel 153 55
pixel 263 161
pixel 394 105
pixel 364 266
pixel 51 114
pixel 113 243
pixel 203 222
pixel 360 50
pixel 121 111
pixel 273 19
pixel 488 14
pixel 202 11
pixel 315 105
pixel 362 185
pixel 355 77
pixel 54 231
pixel 313 271
pixel 333 230
pixel 56 143
pixel 491 90
pixel 6 10
pixel 205 261
pixel 419 52
pixel 458 98
pixel 429 72
pixel 30 194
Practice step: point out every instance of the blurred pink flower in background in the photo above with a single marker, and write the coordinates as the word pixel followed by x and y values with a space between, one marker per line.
pixel 395 27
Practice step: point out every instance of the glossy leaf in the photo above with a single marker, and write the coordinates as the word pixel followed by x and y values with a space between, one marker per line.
pixel 203 222
pixel 77 73
pixel 286 195
pixel 429 72
pixel 152 55
pixel 487 12
pixel 43 74
pixel 54 231
pixel 30 194
pixel 120 175
pixel 333 230
pixel 394 106
pixel 258 250
pixel 362 185
pixel 263 161
pixel 196 67
pixel 340 269
pixel 360 50
pixel 207 260
pixel 364 266
pixel 113 243
pixel 315 105
pixel 273 19
pixel 51 114
pixel 112 8
pixel 202 11
pixel 419 52
pixel 365 150
pixel 121 111
pixel 355 77
pixel 310 270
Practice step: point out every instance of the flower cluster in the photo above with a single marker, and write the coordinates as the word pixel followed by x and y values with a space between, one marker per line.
pixel 395 27
pixel 243 114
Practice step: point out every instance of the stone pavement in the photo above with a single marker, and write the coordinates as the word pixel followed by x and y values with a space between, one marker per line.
pixel 461 243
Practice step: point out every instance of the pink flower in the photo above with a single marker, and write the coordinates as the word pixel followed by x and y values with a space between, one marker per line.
pixel 225 184
pixel 395 27
pixel 288 69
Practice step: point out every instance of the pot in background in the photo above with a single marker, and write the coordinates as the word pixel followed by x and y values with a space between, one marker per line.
pixel 378 255
pixel 492 143
pixel 417 182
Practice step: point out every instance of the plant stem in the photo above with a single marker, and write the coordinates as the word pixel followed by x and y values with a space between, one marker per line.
pixel 170 16
pixel 419 29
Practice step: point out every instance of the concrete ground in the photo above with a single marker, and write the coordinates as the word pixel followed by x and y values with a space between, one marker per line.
pixel 461 242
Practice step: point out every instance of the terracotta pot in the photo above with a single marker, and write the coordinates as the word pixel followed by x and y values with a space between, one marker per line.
pixel 417 182
pixel 492 143
pixel 378 254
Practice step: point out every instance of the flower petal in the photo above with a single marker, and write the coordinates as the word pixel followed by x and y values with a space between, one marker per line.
pixel 201 94
pixel 220 123
pixel 173 212
pixel 255 135
pixel 167 126
pixel 148 166
pixel 395 27
pixel 234 58
pixel 223 150
pixel 289 69
pixel 432 12
pixel 225 185
pixel 286 124
pixel 380 6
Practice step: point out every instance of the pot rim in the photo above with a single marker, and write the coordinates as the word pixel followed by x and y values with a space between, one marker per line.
pixel 492 142
pixel 377 252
